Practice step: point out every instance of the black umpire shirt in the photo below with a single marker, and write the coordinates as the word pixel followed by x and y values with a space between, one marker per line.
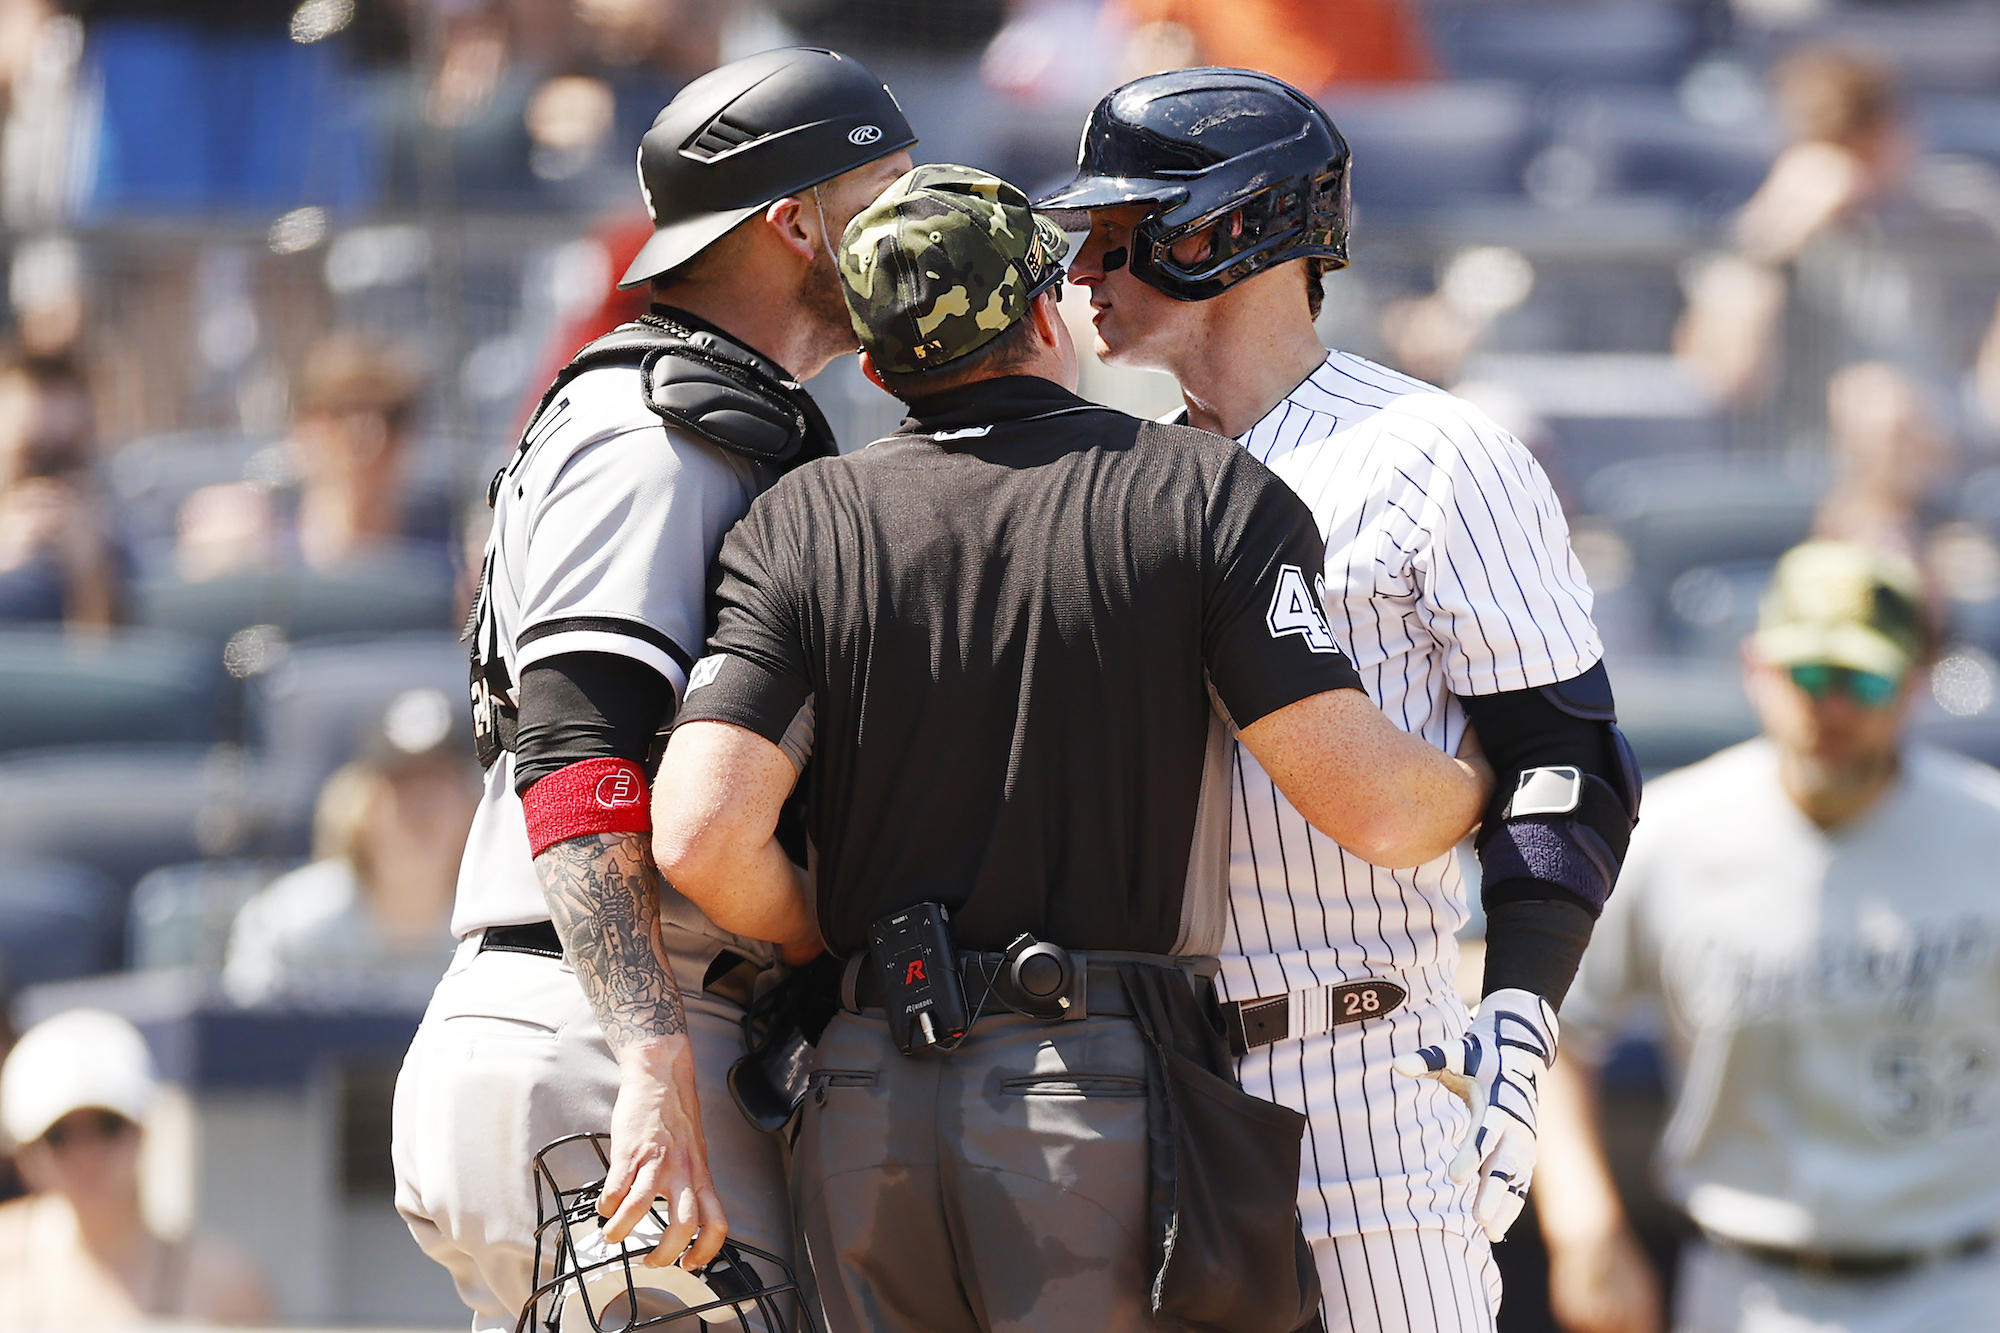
pixel 996 632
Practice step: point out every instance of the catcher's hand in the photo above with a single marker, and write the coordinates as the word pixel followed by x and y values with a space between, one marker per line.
pixel 1497 1067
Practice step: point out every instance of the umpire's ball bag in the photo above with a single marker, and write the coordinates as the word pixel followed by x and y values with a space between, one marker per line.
pixel 1226 1250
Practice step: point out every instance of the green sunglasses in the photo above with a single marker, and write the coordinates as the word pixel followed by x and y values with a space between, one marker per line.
pixel 1867 688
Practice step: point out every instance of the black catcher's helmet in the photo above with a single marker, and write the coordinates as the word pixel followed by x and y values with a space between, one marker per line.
pixel 750 133
pixel 1240 154
pixel 587 1285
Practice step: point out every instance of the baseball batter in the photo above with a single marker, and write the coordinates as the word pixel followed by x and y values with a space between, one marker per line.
pixel 1216 200
pixel 586 995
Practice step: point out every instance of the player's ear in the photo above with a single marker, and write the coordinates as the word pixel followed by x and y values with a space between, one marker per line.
pixel 874 375
pixel 786 219
pixel 1048 320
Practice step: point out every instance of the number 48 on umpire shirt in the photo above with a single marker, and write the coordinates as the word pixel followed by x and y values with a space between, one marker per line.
pixel 1014 636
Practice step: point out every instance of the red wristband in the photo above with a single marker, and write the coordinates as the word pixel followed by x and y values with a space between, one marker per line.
pixel 590 796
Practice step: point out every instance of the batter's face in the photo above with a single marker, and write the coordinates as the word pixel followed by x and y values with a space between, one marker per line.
pixel 1137 325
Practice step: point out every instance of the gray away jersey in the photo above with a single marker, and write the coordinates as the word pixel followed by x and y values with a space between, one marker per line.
pixel 1448 572
pixel 1831 1001
pixel 603 531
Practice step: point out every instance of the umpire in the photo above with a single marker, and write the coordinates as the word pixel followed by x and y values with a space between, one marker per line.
pixel 1015 637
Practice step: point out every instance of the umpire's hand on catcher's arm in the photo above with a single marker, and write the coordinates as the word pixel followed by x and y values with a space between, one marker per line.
pixel 604 898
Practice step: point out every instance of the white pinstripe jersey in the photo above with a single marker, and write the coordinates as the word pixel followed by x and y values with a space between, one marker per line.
pixel 1448 572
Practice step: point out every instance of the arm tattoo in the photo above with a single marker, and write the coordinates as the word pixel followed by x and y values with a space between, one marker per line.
pixel 603 895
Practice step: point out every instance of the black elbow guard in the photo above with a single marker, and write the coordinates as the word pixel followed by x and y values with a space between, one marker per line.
pixel 1567 796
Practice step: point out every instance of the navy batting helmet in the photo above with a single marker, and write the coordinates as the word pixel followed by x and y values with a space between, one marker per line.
pixel 1247 158
pixel 750 133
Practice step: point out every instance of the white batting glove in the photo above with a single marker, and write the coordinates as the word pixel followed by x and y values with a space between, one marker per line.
pixel 1497 1068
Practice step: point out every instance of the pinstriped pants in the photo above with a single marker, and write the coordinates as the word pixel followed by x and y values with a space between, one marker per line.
pixel 1412 1281
pixel 1405 1255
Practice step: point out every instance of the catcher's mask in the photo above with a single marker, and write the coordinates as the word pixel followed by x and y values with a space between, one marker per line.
pixel 589 1285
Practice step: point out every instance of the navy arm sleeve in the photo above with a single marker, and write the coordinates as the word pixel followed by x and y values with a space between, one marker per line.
pixel 1538 924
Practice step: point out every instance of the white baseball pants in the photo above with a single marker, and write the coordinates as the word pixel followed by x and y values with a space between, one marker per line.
pixel 510 1057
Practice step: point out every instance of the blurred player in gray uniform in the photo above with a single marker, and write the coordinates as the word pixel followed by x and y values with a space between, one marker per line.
pixel 586 995
pixel 1813 917
pixel 1216 200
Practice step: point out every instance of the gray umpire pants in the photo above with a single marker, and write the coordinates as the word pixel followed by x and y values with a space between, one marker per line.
pixel 1002 1187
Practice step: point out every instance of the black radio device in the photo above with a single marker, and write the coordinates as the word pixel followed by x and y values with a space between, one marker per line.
pixel 922 994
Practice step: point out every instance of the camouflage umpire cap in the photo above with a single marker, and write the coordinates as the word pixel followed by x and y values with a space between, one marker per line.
pixel 942 264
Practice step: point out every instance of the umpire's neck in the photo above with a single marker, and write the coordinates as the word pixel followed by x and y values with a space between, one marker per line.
pixel 1245 351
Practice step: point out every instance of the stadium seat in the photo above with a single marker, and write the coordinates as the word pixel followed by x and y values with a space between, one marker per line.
pixel 306 713
pixel 1678 712
pixel 181 915
pixel 58 920
pixel 65 689
pixel 1959 123
pixel 1682 515
pixel 1429 144
pixel 1623 41
pixel 1642 141
pixel 380 595
pixel 150 477
pixel 127 809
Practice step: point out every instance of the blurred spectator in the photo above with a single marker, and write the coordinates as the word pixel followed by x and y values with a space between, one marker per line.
pixel 1818 275
pixel 40 51
pixel 370 917
pixel 1811 915
pixel 1986 374
pixel 1890 451
pixel 633 56
pixel 458 134
pixel 1431 336
pixel 621 238
pixel 1311 44
pixel 10 1173
pixel 356 400
pixel 77 1253
pixel 57 559
pixel 45 286
pixel 929 52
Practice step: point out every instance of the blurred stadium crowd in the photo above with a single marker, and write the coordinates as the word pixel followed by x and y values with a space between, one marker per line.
pixel 281 279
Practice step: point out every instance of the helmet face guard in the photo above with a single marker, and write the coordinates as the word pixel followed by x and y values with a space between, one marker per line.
pixel 587 1285
pixel 1297 218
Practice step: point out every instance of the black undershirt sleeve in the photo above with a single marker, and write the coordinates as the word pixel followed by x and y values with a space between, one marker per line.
pixel 578 706
pixel 1536 932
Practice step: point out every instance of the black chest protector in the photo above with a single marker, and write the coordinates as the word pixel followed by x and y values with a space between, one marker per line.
pixel 696 379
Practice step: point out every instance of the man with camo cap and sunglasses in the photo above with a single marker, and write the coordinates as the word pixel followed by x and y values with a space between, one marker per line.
pixel 1814 915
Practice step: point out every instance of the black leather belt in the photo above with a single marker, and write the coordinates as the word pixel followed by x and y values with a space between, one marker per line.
pixel 1255 1023
pixel 1832 1263
pixel 537 937
pixel 1103 992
